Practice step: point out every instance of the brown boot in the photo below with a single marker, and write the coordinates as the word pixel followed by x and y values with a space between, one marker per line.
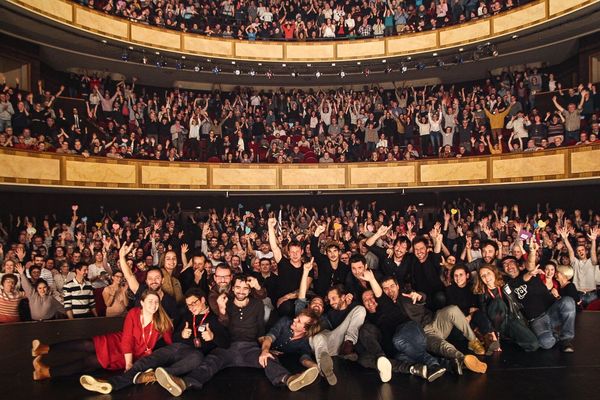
pixel 491 344
pixel 39 349
pixel 145 377
pixel 40 370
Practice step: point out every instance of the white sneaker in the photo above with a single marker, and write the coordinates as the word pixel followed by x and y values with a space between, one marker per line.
pixel 385 369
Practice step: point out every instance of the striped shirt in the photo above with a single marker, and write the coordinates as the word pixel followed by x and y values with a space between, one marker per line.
pixel 79 297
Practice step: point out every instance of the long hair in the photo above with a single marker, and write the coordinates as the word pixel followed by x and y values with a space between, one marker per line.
pixel 313 326
pixel 162 322
pixel 480 287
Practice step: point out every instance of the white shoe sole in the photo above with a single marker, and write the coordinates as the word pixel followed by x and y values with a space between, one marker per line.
pixel 305 379
pixel 34 345
pixel 385 369
pixel 93 385
pixel 164 379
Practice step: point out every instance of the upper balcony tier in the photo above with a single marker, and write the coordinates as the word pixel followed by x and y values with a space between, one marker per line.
pixel 535 15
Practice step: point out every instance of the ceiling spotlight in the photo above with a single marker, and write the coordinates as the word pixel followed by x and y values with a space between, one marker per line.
pixel 318 74
pixel 461 49
pixel 260 64
pixel 409 58
pixel 157 53
pixel 435 54
pixel 233 62
pixel 125 56
pixel 104 41
pixel 252 72
pixel 309 65
pixel 358 63
pixel 208 60
pixel 333 64
pixel 216 70
pixel 515 36
pixel 284 65
pixel 197 68
pixel 342 74
pixel 269 74
pixel 237 71
pixel 384 61
pixel 130 47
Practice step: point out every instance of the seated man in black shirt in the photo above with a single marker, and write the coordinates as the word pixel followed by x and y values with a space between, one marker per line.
pixel 198 333
pixel 244 317
pixel 398 265
pixel 389 331
pixel 545 313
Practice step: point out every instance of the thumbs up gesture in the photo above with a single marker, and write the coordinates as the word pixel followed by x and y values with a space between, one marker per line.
pixel 186 332
pixel 208 335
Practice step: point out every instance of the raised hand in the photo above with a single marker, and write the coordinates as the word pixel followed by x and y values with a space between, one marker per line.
pixel 125 249
pixel 272 222
pixel 187 331
pixel 414 296
pixel 307 266
pixel 319 230
pixel 208 334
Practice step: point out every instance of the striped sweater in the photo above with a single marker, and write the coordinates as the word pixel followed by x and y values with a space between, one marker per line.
pixel 79 297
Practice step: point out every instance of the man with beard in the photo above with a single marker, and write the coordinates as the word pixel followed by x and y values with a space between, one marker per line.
pixel 244 317
pixel 552 320
pixel 331 270
pixel 586 272
pixel 195 277
pixel 438 328
pixel 390 331
pixel 154 281
pixel 489 255
pixel 198 333
pixel 425 269
pixel 222 285
pixel 398 265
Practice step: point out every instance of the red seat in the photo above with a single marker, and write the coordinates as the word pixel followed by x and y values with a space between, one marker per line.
pixel 214 159
pixel 310 160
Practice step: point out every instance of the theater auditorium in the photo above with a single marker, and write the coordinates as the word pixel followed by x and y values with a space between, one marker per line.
pixel 293 199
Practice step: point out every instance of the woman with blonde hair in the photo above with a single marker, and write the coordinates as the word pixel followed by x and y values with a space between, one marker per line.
pixel 143 327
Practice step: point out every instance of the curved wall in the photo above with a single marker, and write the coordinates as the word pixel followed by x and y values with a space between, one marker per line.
pixel 52 170
pixel 94 22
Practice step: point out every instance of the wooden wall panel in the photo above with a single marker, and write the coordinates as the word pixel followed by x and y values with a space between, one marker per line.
pixel 383 175
pixel 313 51
pixel 244 177
pixel 155 37
pixel 157 175
pixel 100 23
pixel 56 8
pixel 105 173
pixel 25 167
pixel 558 6
pixel 475 31
pixel 412 43
pixel 528 166
pixel 313 177
pixel 259 50
pixel 519 18
pixel 585 161
pixel 371 48
pixel 210 47
pixel 463 170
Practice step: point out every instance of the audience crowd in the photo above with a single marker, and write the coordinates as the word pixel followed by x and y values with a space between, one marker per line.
pixel 123 120
pixel 387 286
pixel 302 19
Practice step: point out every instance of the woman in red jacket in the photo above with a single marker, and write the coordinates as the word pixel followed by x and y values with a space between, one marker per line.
pixel 143 327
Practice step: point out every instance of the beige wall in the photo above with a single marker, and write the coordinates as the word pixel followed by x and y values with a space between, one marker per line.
pixel 191 44
pixel 31 168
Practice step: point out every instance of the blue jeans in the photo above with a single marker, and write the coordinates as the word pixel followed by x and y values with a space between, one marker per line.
pixel 409 340
pixel 557 323
pixel 436 141
pixel 588 297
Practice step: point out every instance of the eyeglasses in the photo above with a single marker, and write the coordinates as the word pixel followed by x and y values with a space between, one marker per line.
pixel 193 303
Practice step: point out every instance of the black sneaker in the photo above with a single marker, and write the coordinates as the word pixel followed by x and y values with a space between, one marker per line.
pixel 566 346
pixel 419 370
pixel 435 371
pixel 456 365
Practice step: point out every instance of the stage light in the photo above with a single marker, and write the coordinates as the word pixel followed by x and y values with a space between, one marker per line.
pixel 197 68
pixel 295 74
pixel 125 56
pixel 269 74
pixel 403 68
pixel 237 71
pixel 216 70
pixel 318 74
pixel 252 72
pixel 367 72
pixel 388 69
pixel 342 74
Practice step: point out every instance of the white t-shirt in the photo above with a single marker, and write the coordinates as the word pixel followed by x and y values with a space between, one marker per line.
pixel 585 275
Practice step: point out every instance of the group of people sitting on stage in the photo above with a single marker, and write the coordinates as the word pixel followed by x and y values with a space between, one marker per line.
pixel 388 289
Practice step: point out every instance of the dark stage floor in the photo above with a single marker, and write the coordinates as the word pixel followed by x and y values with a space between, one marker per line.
pixel 512 374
